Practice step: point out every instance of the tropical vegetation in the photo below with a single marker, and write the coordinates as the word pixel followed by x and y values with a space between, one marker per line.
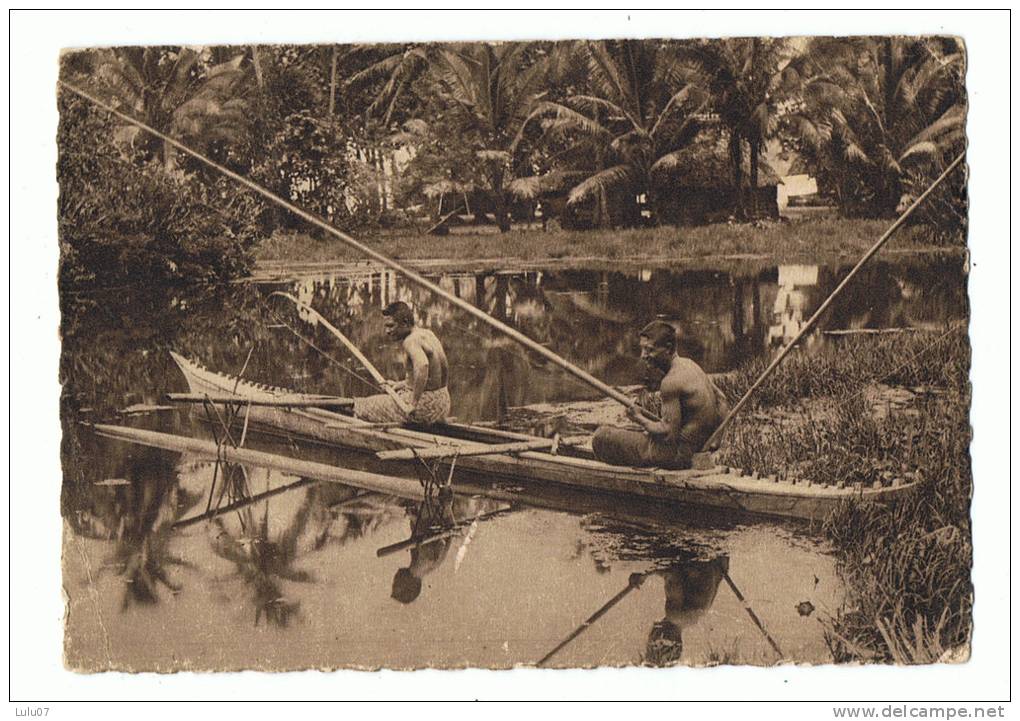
pixel 600 134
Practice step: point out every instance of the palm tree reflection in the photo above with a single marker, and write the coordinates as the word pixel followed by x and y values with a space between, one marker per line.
pixel 137 512
pixel 263 562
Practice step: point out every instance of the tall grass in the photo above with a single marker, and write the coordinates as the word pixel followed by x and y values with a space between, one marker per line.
pixel 803 238
pixel 847 365
pixel 906 565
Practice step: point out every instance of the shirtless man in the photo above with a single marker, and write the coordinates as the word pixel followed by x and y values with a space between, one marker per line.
pixel 424 387
pixel 691 409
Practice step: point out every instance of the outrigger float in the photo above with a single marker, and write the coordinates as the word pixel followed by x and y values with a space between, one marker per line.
pixel 505 455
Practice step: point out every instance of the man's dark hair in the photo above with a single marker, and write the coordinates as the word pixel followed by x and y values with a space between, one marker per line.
pixel 406 586
pixel 665 644
pixel 400 312
pixel 660 333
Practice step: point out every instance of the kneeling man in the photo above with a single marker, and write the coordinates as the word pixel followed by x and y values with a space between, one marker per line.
pixel 424 387
pixel 691 409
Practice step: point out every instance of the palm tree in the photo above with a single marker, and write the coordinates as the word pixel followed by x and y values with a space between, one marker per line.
pixel 876 114
pixel 744 76
pixel 641 111
pixel 175 91
pixel 485 92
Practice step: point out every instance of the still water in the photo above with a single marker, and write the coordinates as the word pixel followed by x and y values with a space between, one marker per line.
pixel 296 580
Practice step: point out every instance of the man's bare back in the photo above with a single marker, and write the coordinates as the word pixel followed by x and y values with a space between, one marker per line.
pixel 690 402
pixel 423 350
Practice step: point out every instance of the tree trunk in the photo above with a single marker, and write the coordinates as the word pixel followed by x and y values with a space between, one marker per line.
pixel 332 84
pixel 755 150
pixel 259 79
pixel 499 199
pixel 381 169
pixel 736 161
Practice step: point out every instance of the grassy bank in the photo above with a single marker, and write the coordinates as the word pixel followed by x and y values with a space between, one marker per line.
pixel 808 237
pixel 830 418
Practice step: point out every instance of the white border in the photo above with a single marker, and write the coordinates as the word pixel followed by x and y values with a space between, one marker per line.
pixel 37 671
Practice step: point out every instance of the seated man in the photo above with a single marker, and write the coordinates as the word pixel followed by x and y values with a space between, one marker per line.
pixel 691 409
pixel 424 388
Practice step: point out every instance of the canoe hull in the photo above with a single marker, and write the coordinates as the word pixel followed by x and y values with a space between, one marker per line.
pixel 716 488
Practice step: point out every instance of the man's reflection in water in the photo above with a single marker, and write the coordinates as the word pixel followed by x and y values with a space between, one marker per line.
pixel 430 517
pixel 690 590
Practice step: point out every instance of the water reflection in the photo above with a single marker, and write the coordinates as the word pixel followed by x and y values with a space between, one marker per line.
pixel 310 564
pixel 689 590
pixel 303 564
pixel 263 561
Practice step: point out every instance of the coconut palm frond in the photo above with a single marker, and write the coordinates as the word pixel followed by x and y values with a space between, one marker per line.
pixel 925 149
pixel 678 99
pixel 569 116
pixel 604 180
pixel 455 75
pixel 916 81
pixel 591 102
pixel 854 153
pixel 525 188
pixel 668 162
pixel 951 121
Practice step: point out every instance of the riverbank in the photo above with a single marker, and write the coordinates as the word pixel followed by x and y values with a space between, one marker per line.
pixel 800 239
pixel 865 409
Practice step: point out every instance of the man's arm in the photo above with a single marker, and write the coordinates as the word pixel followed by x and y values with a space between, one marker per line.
pixel 669 423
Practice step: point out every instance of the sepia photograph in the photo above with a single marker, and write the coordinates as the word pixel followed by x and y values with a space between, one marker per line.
pixel 588 352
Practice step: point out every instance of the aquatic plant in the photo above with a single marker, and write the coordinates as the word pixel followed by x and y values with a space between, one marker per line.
pixel 906 566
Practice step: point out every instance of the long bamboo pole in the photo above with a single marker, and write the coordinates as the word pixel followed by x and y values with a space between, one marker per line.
pixel 355 351
pixel 401 487
pixel 635 581
pixel 411 275
pixel 828 301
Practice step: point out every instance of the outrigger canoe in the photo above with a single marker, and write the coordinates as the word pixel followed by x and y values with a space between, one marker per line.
pixel 508 456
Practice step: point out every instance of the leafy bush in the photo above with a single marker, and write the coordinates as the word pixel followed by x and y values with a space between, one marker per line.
pixel 124 220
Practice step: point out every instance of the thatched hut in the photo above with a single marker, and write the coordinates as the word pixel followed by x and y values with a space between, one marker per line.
pixel 698 188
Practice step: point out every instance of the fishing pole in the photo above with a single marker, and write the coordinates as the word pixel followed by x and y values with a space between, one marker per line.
pixel 713 439
pixel 635 581
pixel 411 275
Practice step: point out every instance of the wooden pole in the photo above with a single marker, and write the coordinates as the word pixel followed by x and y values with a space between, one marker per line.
pixel 192 520
pixel 355 351
pixel 447 450
pixel 401 487
pixel 713 439
pixel 636 579
pixel 411 275
pixel 439 535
